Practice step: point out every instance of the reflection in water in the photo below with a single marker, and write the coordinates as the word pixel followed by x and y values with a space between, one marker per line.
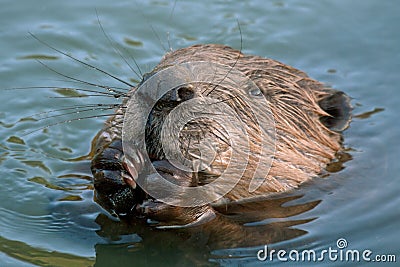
pixel 248 223
pixel 41 257
pixel 368 114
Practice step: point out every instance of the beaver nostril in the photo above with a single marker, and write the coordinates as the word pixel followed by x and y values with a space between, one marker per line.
pixel 185 93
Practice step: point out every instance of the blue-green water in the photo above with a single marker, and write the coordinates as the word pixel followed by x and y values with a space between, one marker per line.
pixel 47 215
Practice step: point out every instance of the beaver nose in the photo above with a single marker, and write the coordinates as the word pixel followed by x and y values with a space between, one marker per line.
pixel 185 93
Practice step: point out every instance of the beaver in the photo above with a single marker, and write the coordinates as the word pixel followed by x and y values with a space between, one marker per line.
pixel 303 137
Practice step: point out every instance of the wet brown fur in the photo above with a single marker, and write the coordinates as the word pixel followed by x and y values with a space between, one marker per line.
pixel 304 145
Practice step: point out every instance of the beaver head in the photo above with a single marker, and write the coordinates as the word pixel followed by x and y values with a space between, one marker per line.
pixel 221 126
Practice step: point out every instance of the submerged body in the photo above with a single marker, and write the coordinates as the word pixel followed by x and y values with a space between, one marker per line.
pixel 308 118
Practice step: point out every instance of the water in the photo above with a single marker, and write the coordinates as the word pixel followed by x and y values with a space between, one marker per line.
pixel 47 215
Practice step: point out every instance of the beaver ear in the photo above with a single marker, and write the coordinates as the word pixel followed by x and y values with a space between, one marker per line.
pixel 337 105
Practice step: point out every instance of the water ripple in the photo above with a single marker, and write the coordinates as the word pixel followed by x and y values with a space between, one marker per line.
pixel 11 221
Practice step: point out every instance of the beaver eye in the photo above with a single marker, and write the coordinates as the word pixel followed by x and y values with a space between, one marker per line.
pixel 255 92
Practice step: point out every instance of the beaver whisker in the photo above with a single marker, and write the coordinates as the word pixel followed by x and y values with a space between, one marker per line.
pixel 80 96
pixel 97 85
pixel 79 111
pixel 79 61
pixel 172 10
pixel 153 30
pixel 220 136
pixel 67 121
pixel 117 93
pixel 234 64
pixel 188 146
pixel 103 94
pixel 224 100
pixel 116 50
pixel 77 107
